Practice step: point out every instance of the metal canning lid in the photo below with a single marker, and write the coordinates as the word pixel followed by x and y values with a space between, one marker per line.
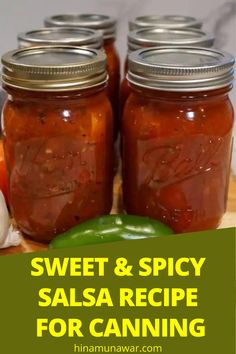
pixel 165 21
pixel 155 37
pixel 104 23
pixel 183 69
pixel 54 68
pixel 83 37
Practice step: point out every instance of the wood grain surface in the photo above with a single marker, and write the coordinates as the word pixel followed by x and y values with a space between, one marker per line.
pixel 229 219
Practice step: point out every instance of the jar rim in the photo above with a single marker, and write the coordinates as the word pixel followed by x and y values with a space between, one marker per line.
pixel 54 68
pixel 105 24
pixel 75 36
pixel 155 37
pixel 165 21
pixel 183 69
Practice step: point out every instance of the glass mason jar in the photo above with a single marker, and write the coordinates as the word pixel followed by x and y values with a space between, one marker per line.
pixel 57 126
pixel 177 136
pixel 107 26
pixel 159 37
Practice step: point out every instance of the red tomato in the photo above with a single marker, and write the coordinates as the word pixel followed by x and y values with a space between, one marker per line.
pixel 3 173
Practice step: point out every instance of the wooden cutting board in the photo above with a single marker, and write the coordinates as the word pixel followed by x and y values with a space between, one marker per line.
pixel 229 219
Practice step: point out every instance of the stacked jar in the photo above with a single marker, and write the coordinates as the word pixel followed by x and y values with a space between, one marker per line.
pixel 164 22
pixel 107 26
pixel 158 37
pixel 58 137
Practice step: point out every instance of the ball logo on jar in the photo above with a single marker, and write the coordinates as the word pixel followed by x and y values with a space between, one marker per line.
pixel 40 162
pixel 178 161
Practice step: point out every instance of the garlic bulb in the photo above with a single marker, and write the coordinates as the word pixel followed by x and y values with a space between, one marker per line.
pixel 8 236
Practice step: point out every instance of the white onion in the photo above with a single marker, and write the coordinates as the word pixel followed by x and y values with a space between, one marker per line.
pixel 8 236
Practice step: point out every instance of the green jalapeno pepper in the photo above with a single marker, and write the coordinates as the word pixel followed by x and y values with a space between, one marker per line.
pixel 110 228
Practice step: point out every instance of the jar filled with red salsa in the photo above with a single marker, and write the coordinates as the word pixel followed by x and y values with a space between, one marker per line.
pixel 177 136
pixel 159 37
pixel 107 26
pixel 58 138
